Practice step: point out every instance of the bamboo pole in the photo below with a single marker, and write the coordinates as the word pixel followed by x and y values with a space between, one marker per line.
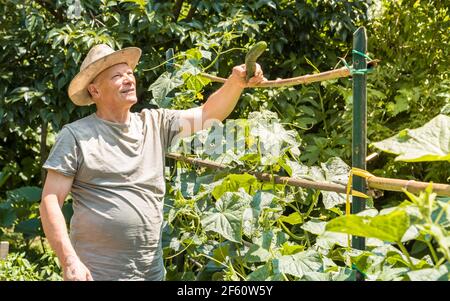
pixel 409 185
pixel 266 177
pixel 299 80
pixel 372 182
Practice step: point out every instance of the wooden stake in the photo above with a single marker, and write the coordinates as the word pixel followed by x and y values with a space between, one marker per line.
pixel 4 249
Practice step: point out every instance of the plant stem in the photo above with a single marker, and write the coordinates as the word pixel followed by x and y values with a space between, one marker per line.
pixel 42 244
pixel 289 232
pixel 219 54
pixel 213 259
pixel 433 252
pixel 308 242
pixel 313 204
pixel 163 63
pixel 295 209
pixel 438 218
pixel 441 261
pixel 223 264
pixel 402 247
pixel 322 108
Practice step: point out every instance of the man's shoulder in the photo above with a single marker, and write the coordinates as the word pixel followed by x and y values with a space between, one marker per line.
pixel 159 112
pixel 151 111
pixel 80 126
pixel 152 114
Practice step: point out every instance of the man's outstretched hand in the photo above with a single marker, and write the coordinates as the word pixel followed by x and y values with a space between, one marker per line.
pixel 239 73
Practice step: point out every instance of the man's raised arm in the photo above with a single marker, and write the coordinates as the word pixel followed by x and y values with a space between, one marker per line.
pixel 219 104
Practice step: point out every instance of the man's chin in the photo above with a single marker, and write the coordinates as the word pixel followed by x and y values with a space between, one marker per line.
pixel 131 100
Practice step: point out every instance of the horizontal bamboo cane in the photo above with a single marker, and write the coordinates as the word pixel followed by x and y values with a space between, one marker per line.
pixel 410 185
pixel 372 182
pixel 264 176
pixel 304 79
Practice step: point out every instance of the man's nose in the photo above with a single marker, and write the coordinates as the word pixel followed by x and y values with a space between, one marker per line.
pixel 128 78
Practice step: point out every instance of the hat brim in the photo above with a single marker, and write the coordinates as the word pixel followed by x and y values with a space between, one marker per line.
pixel 78 92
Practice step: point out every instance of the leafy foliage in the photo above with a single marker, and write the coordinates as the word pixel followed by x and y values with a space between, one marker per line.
pixel 227 226
pixel 285 233
pixel 18 268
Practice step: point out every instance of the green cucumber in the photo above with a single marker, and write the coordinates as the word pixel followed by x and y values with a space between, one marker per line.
pixel 252 56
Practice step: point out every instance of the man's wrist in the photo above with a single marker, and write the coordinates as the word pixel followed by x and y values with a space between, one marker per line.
pixel 69 260
pixel 236 81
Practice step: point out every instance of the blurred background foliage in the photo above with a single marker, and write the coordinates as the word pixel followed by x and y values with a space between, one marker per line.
pixel 43 43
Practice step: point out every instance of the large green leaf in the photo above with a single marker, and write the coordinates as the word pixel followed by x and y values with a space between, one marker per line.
pixel 261 200
pixel 390 227
pixel 3 175
pixel 29 227
pixel 444 204
pixel 186 183
pixel 433 274
pixel 264 273
pixel 7 217
pixel 430 142
pixel 270 137
pixel 327 240
pixel 388 273
pixel 234 182
pixel 342 274
pixel 226 217
pixel 257 253
pixel 299 263
pixel 261 249
pixel 30 194
pixel 163 85
pixel 335 170
pixel 294 218
pixel 314 226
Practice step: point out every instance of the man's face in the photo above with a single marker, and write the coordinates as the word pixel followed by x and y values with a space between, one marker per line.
pixel 115 85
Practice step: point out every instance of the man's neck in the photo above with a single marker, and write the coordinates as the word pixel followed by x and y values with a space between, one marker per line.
pixel 116 116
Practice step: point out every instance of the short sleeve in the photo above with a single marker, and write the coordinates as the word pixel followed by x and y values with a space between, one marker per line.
pixel 170 125
pixel 64 156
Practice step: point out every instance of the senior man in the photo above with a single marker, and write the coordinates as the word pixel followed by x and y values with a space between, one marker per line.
pixel 112 162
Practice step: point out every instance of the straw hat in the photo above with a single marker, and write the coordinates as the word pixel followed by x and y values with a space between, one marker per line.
pixel 99 58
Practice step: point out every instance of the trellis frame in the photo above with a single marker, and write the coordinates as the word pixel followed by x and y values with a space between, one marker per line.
pixel 359 133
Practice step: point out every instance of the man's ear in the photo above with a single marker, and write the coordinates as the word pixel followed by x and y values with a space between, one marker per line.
pixel 92 89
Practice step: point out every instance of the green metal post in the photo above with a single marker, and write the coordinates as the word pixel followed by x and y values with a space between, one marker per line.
pixel 359 124
pixel 170 163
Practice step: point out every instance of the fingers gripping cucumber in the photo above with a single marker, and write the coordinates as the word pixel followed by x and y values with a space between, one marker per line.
pixel 252 56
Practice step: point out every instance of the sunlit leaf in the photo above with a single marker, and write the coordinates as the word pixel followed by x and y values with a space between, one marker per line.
pixel 163 85
pixel 226 217
pixel 430 142
pixel 390 227
pixel 299 263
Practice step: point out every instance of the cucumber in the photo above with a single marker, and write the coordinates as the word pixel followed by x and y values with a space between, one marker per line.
pixel 252 56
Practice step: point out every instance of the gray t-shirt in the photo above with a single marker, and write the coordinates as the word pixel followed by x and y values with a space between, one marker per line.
pixel 118 191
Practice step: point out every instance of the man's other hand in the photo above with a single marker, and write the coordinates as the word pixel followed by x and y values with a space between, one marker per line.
pixel 75 270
